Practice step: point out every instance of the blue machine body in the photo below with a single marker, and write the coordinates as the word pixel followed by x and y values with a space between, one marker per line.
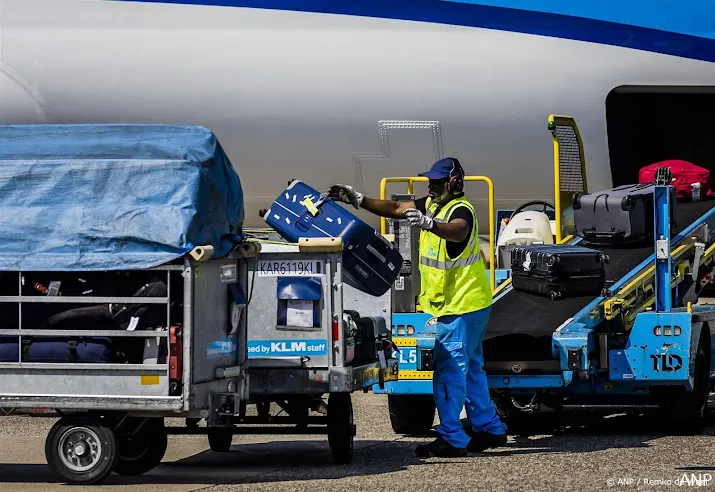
pixel 661 344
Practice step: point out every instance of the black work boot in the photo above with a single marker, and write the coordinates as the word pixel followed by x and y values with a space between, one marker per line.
pixel 484 440
pixel 440 448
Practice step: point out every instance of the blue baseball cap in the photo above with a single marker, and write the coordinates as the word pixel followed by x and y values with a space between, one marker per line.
pixel 443 168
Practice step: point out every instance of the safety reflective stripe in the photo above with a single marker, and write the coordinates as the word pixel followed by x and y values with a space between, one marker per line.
pixel 444 265
pixel 460 262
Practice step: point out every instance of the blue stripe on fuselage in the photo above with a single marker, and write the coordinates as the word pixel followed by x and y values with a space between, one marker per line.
pixel 694 17
pixel 674 34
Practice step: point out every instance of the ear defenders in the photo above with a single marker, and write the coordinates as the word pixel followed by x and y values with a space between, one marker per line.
pixel 455 184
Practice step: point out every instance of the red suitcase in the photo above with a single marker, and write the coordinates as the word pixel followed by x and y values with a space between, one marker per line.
pixel 691 182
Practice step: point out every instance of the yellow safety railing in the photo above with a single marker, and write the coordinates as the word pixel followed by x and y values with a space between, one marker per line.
pixel 639 293
pixel 571 162
pixel 420 179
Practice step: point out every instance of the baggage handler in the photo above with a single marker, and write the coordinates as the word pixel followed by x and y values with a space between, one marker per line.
pixel 455 290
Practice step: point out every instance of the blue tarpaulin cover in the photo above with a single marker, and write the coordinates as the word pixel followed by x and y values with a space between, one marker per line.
pixel 113 197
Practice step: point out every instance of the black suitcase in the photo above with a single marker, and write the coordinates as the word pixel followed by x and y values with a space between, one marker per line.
pixel 619 216
pixel 371 336
pixel 558 271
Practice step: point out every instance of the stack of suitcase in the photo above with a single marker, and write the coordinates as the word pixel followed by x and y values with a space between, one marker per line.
pixel 74 317
pixel 613 218
pixel 370 262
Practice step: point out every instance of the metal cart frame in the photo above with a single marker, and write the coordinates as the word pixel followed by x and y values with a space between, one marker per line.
pixel 297 383
pixel 112 414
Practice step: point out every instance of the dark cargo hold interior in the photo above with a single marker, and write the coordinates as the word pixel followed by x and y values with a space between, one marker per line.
pixel 645 125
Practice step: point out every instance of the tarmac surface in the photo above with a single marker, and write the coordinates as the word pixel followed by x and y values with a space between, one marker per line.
pixel 616 452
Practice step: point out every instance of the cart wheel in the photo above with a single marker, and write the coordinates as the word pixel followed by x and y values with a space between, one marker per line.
pixel 81 450
pixel 142 451
pixel 219 439
pixel 341 427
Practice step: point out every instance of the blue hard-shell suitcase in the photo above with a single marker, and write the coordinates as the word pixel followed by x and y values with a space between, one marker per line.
pixel 370 262
pixel 8 349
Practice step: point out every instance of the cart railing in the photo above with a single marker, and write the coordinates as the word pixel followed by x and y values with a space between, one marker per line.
pixel 111 384
pixel 30 332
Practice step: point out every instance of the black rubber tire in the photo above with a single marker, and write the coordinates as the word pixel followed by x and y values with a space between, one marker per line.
pixel 263 408
pixel 106 459
pixel 219 440
pixel 689 412
pixel 341 427
pixel 411 414
pixel 142 451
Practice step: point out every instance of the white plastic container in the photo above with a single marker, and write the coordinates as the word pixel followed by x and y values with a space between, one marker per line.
pixel 527 228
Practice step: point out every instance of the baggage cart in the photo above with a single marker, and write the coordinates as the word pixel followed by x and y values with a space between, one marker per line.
pixel 312 335
pixel 192 366
pixel 122 288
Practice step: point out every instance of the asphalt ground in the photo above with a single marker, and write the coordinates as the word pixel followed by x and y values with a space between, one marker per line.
pixel 598 453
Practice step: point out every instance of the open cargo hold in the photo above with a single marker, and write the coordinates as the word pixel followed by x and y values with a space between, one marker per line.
pixel 122 281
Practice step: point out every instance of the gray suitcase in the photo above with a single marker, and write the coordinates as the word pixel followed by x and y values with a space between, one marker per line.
pixel 619 216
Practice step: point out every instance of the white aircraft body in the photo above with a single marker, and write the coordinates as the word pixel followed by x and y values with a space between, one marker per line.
pixel 354 91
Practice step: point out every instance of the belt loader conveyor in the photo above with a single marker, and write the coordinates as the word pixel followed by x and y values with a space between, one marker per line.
pixel 543 354
pixel 598 350
pixel 521 314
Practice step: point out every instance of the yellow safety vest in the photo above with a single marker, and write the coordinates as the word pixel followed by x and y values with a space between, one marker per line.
pixel 452 285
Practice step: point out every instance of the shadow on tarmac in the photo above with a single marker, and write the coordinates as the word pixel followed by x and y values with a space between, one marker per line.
pixel 282 461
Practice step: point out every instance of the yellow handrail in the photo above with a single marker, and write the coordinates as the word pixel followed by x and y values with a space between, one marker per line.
pixel 420 179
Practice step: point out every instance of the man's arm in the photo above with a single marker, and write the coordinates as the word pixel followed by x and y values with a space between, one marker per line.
pixel 455 230
pixel 384 208
pixel 387 208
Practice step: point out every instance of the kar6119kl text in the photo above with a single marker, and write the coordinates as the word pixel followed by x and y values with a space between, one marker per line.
pixel 273 268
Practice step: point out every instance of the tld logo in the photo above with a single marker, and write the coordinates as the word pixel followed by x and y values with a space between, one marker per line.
pixel 666 362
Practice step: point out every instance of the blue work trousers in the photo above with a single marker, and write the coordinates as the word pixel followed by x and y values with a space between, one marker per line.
pixel 459 377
